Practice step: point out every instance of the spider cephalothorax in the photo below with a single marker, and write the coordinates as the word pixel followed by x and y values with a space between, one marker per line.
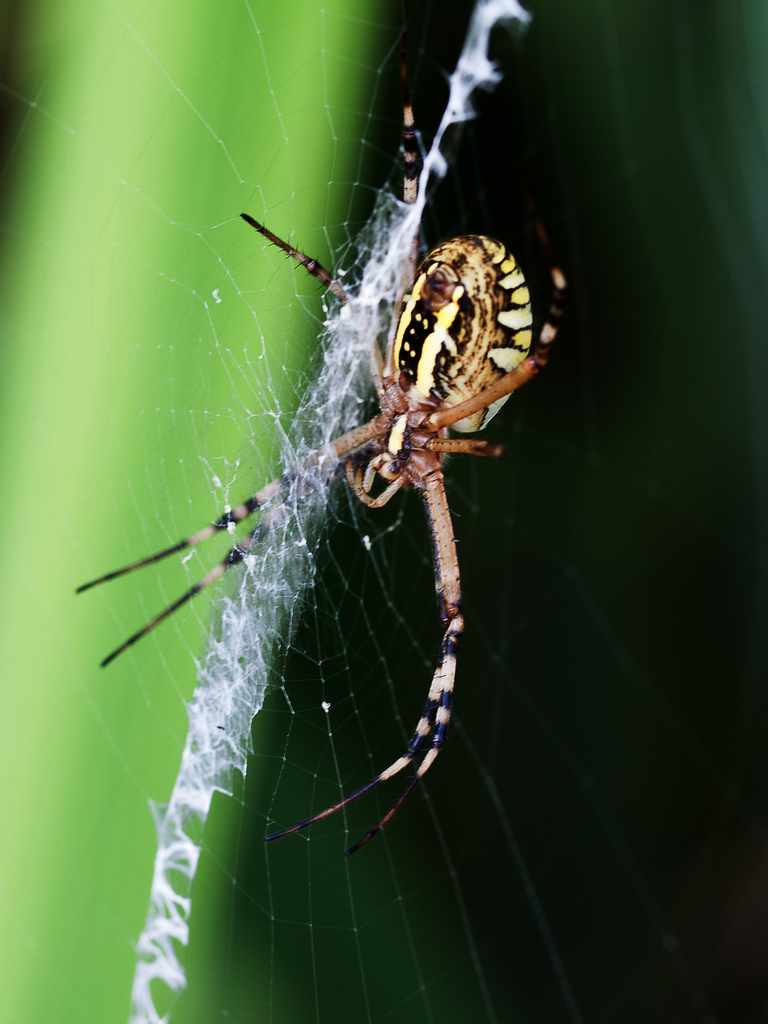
pixel 462 345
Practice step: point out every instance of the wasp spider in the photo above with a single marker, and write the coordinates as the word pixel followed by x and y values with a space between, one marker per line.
pixel 463 344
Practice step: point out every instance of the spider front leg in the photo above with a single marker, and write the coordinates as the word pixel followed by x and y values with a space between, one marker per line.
pixel 316 269
pixel 266 501
pixel 310 264
pixel 226 521
pixel 430 732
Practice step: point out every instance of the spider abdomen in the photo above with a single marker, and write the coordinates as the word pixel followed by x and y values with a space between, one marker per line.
pixel 465 323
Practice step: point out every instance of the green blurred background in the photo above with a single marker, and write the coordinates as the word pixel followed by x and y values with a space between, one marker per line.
pixel 592 843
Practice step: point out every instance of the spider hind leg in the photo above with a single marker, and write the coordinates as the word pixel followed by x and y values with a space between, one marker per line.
pixel 430 732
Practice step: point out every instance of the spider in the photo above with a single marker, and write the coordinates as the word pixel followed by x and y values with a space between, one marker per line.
pixel 463 344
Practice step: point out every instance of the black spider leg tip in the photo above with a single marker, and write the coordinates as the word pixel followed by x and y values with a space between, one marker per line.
pixel 134 565
pixel 237 554
pixel 414 748
pixel 326 813
pixel 348 800
pixel 394 809
pixel 310 264
pixel 151 625
pixel 233 516
pixel 410 139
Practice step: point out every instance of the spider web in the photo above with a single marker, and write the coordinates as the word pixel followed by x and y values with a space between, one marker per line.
pixel 590 845
pixel 260 616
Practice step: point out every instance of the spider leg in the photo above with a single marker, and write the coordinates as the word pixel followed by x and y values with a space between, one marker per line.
pixel 226 520
pixel 326 460
pixel 503 386
pixel 313 266
pixel 410 138
pixel 559 298
pixel 410 152
pixel 235 555
pixel 337 448
pixel 432 727
pixel 464 445
pixel 317 270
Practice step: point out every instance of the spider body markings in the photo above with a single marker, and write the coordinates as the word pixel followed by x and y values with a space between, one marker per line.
pixel 463 344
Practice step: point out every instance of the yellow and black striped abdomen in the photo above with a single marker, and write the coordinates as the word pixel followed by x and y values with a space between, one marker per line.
pixel 464 324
